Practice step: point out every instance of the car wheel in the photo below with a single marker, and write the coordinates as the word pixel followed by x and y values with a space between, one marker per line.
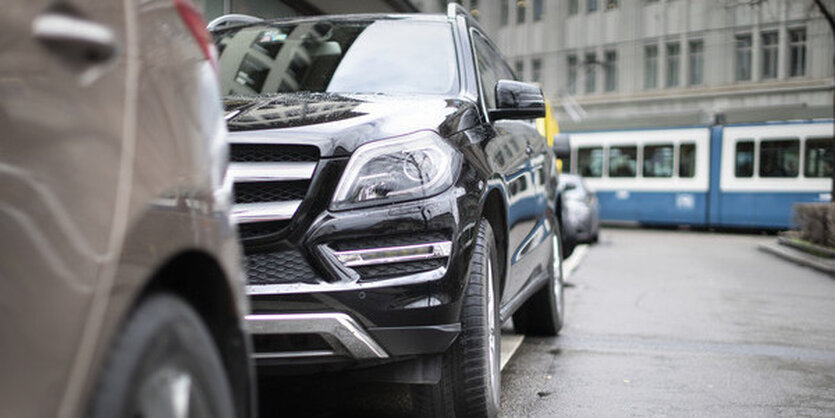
pixel 163 364
pixel 470 382
pixel 544 312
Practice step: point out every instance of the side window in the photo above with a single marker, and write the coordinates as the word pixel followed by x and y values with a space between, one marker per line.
pixel 623 161
pixel 744 159
pixel 779 158
pixel 492 68
pixel 818 159
pixel 590 161
pixel 687 160
pixel 658 160
pixel 486 71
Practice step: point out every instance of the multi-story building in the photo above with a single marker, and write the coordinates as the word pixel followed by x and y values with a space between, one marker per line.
pixel 619 59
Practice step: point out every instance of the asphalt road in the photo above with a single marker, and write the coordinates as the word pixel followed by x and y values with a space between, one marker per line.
pixel 659 323
pixel 681 323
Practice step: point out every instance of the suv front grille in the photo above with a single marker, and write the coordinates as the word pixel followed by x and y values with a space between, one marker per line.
pixel 271 181
pixel 271 191
pixel 251 153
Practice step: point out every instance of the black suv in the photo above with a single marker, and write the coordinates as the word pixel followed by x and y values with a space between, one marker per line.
pixel 394 199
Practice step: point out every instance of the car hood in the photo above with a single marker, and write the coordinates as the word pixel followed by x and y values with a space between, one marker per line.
pixel 339 123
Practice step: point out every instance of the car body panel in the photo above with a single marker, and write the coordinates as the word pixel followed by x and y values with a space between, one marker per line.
pixel 108 169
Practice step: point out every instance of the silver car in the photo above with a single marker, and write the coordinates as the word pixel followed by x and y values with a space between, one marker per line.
pixel 120 287
pixel 580 212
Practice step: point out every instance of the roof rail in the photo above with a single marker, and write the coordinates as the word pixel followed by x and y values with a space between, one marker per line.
pixel 454 9
pixel 231 19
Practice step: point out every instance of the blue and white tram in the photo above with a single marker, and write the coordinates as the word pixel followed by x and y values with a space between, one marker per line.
pixel 746 175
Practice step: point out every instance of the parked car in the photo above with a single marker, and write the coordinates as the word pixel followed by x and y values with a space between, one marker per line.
pixel 120 283
pixel 394 199
pixel 580 212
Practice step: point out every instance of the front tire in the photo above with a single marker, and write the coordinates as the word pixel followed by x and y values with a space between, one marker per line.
pixel 164 363
pixel 544 313
pixel 470 382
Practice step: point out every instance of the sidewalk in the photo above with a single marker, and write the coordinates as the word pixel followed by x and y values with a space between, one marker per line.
pixel 803 258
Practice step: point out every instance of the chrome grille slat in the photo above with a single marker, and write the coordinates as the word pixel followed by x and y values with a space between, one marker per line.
pixel 264 212
pixel 270 172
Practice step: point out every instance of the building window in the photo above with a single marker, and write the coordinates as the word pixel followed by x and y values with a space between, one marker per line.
pixel 538 10
pixel 744 161
pixel 818 160
pixel 658 160
pixel 673 58
pixel 779 158
pixel 797 52
pixel 650 66
pixel 590 161
pixel 591 6
pixel 536 70
pixel 743 57
pixel 769 49
pixel 611 4
pixel 572 74
pixel 623 161
pixel 610 67
pixel 519 66
pixel 697 62
pixel 521 6
pixel 591 72
pixel 687 160
pixel 573 7
pixel 505 6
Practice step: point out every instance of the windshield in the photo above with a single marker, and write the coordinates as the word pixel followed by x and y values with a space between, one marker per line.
pixel 377 56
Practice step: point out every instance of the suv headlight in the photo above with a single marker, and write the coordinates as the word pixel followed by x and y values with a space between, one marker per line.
pixel 410 167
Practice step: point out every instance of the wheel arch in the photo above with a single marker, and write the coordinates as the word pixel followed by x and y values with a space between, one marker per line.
pixel 198 278
pixel 495 212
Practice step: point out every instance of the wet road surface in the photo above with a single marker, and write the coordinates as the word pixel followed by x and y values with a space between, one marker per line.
pixel 659 323
pixel 682 323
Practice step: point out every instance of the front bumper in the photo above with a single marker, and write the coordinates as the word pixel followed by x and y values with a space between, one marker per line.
pixel 340 337
pixel 393 275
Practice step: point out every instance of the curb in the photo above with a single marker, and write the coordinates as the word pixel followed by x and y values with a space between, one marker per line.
pixel 800 257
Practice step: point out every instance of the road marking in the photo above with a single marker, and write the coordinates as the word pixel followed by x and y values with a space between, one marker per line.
pixel 512 342
pixel 571 263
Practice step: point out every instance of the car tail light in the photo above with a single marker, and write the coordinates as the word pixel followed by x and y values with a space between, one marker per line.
pixel 194 21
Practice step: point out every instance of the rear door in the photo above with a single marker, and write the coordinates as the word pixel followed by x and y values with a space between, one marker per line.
pixel 62 113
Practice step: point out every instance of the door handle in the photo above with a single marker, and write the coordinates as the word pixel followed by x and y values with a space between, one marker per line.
pixel 74 38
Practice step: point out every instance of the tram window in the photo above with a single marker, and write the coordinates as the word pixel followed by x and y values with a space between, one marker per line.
pixel 623 161
pixel 779 158
pixel 687 160
pixel 745 159
pixel 818 161
pixel 658 160
pixel 590 162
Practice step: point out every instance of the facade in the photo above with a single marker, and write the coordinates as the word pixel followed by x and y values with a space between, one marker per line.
pixel 636 58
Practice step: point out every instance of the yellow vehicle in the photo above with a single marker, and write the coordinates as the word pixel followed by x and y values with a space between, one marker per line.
pixel 549 128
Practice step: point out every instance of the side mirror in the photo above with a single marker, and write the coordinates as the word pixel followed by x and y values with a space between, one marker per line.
pixel 517 100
